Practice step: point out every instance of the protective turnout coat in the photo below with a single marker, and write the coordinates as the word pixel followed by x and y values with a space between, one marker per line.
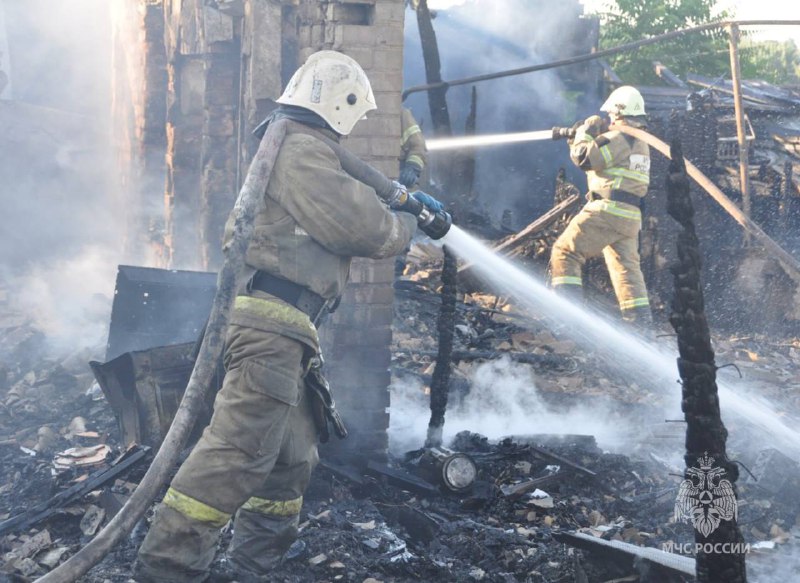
pixel 255 458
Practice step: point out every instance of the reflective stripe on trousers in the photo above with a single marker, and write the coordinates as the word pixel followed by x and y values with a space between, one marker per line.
pixel 566 280
pixel 608 228
pixel 274 507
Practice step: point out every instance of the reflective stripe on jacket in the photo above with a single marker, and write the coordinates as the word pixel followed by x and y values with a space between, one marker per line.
pixel 613 161
pixel 412 142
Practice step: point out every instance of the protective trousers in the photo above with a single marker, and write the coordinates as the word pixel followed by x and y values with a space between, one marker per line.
pixel 611 229
pixel 254 459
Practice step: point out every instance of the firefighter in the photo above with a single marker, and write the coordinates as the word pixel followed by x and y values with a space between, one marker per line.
pixel 412 151
pixel 618 174
pixel 412 162
pixel 255 458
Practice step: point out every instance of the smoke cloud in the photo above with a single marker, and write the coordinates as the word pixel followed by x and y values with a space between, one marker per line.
pixel 503 400
pixel 479 37
pixel 60 232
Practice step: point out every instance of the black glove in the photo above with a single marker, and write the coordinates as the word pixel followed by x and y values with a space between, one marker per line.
pixel 409 174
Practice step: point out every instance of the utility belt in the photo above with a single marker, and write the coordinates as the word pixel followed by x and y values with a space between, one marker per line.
pixel 618 196
pixel 310 303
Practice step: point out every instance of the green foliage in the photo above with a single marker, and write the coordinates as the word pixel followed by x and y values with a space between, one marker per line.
pixel 772 61
pixel 626 21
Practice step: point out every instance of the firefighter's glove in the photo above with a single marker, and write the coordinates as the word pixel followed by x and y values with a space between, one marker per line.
pixel 590 129
pixel 409 174
pixel 431 203
pixel 573 133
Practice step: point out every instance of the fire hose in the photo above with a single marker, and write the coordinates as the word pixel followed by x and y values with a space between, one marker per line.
pixel 248 203
pixel 789 263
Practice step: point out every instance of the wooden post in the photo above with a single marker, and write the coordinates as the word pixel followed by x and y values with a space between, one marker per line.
pixel 736 78
pixel 706 434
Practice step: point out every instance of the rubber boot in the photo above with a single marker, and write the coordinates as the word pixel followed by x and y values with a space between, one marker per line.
pixel 177 549
pixel 260 540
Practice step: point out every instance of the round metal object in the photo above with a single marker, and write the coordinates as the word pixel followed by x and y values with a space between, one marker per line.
pixel 458 472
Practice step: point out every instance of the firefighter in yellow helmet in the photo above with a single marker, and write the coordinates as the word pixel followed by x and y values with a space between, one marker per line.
pixel 254 460
pixel 413 152
pixel 618 173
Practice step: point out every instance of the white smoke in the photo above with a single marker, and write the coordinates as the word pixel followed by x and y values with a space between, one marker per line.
pixel 69 299
pixel 62 227
pixel 503 400
pixel 476 37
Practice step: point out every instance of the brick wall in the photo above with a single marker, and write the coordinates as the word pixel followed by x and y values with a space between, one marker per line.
pixel 357 338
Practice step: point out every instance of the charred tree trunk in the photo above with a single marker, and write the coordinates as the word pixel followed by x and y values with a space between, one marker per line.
pixel 440 384
pixel 706 457
pixel 437 98
pixel 465 164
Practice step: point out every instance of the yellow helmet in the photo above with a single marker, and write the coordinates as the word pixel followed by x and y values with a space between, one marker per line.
pixel 625 101
pixel 334 86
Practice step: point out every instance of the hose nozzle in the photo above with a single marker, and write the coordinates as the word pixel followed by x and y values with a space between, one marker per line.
pixel 563 133
pixel 434 224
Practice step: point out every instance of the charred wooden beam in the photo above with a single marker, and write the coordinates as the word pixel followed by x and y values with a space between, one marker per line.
pixel 706 434
pixel 522 488
pixel 664 73
pixel 741 137
pixel 440 385
pixel 542 222
pixel 668 565
pixel 49 507
pixel 402 479
pixel 561 460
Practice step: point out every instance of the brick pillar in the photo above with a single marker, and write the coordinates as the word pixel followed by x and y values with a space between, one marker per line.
pixel 357 338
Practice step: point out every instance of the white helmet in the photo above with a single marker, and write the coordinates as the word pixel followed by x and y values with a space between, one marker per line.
pixel 334 86
pixel 625 101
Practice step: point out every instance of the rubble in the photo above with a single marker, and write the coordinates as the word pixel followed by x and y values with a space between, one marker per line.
pixel 387 522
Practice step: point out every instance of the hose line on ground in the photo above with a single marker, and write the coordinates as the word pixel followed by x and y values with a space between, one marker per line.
pixel 250 200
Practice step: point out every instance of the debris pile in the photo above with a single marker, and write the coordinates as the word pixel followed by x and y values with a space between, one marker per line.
pixel 62 474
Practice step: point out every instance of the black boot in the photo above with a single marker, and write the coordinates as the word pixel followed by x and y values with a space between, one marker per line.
pixel 641 318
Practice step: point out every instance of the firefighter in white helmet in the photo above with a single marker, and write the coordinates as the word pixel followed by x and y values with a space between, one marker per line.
pixel 254 460
pixel 618 173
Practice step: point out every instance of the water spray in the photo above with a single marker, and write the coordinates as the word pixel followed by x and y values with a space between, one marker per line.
pixel 558 133
pixel 465 142
pixel 648 363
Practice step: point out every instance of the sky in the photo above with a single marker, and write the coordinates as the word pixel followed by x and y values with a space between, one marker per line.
pixel 743 9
